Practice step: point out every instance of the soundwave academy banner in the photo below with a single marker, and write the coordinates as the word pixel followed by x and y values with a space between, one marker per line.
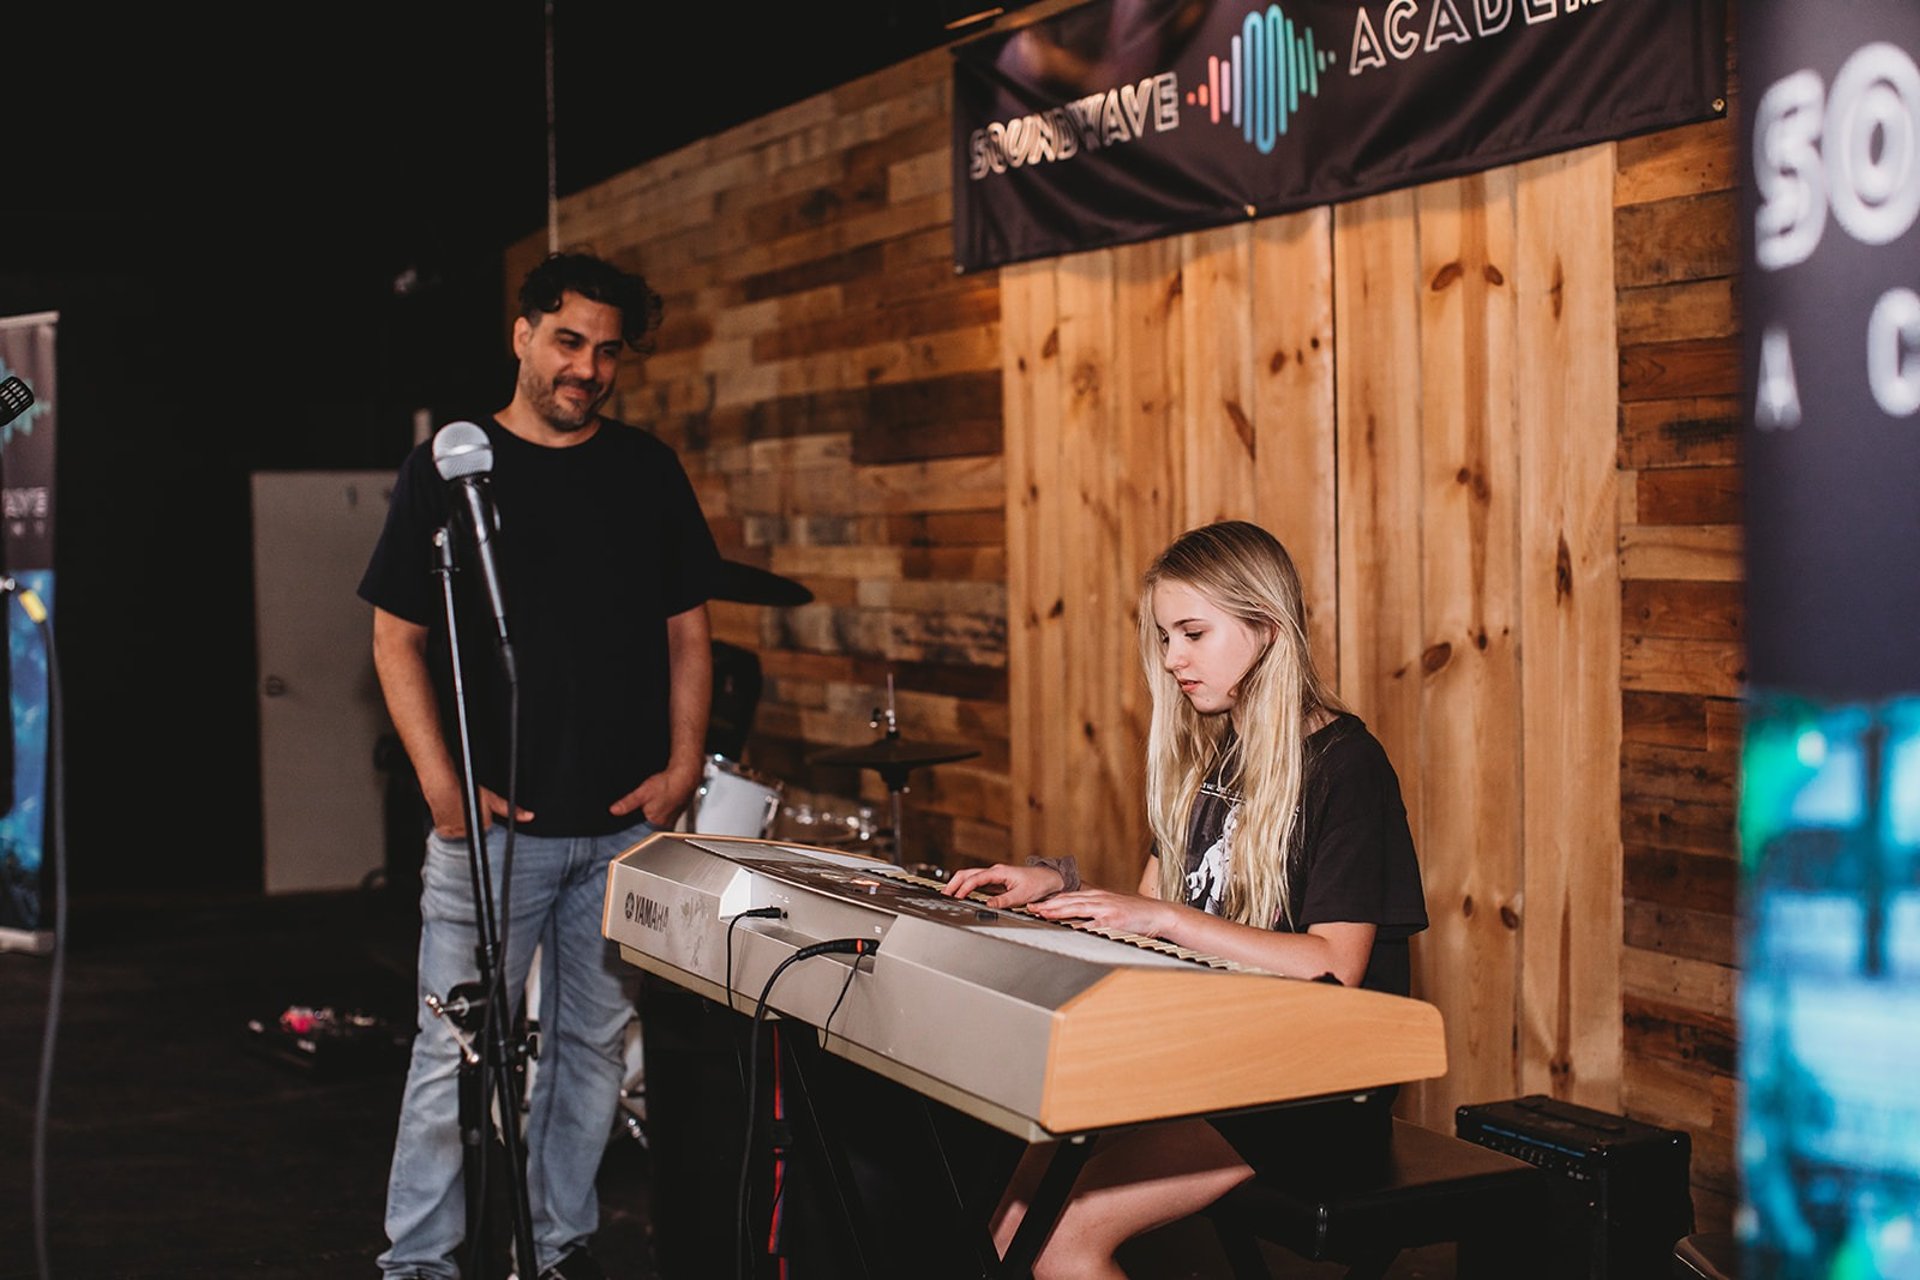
pixel 1122 120
pixel 26 542
pixel 1829 942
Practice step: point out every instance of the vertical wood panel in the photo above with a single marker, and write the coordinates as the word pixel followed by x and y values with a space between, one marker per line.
pixel 1046 793
pixel 1092 626
pixel 1570 625
pixel 1019 358
pixel 1029 308
pixel 1293 410
pixel 1149 481
pixel 1376 269
pixel 1218 380
pixel 1469 833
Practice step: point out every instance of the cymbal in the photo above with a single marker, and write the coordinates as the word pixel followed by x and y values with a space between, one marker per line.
pixel 748 584
pixel 894 754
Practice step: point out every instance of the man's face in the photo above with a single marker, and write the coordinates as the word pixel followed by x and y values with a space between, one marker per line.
pixel 568 360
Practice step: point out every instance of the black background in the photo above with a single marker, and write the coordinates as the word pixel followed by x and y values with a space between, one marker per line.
pixel 219 201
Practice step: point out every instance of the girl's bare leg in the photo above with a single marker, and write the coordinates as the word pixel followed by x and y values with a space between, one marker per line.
pixel 1134 1181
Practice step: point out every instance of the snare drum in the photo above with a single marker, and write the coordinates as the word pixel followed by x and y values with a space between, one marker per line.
pixel 733 800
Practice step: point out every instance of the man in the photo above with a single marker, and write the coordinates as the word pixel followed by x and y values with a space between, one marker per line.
pixel 605 565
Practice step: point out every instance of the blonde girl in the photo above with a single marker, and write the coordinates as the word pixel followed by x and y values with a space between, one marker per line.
pixel 1280 840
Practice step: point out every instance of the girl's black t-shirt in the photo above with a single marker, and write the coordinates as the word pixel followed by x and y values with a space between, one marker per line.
pixel 1352 857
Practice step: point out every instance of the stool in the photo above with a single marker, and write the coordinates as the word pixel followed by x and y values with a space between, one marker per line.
pixel 1707 1255
pixel 1438 1189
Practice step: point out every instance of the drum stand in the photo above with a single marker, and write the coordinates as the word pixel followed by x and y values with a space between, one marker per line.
pixel 893 758
pixel 895 778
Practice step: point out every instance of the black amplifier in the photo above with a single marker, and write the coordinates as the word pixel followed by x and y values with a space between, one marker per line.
pixel 1620 1190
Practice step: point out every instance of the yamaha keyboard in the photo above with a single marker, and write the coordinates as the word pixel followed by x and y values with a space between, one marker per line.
pixel 1040 1029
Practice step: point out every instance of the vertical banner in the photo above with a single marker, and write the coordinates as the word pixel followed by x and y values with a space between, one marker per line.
pixel 1830 768
pixel 26 521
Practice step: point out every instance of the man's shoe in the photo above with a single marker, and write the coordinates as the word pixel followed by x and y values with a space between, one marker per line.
pixel 576 1264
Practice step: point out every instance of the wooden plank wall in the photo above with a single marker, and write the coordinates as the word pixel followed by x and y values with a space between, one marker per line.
pixel 1150 388
pixel 1494 418
pixel 834 389
pixel 1449 490
pixel 1683 651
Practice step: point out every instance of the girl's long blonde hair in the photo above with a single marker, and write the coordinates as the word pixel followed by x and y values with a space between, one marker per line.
pixel 1244 571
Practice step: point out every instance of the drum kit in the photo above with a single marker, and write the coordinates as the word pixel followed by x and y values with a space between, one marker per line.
pixel 733 799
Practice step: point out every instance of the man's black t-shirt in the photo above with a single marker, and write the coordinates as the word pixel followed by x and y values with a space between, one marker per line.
pixel 1352 859
pixel 598 545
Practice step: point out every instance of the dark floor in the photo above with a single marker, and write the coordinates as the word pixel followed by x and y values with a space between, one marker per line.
pixel 178 1144
pixel 178 1147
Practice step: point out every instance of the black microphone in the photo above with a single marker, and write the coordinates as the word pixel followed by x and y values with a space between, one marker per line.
pixel 16 397
pixel 463 456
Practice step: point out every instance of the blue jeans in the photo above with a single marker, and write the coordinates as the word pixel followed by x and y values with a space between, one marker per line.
pixel 587 1000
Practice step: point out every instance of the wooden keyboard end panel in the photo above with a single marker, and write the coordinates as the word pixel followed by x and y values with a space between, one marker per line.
pixel 1143 1045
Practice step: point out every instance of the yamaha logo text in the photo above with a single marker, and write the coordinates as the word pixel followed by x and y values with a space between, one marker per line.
pixel 646 912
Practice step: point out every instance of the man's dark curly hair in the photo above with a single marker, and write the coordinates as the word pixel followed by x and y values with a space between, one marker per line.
pixel 598 280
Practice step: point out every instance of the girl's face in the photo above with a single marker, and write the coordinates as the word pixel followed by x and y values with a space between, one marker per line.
pixel 1203 647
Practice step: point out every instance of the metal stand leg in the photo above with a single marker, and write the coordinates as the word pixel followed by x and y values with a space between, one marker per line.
pixel 504 1076
pixel 1043 1211
pixel 824 1155
pixel 500 1065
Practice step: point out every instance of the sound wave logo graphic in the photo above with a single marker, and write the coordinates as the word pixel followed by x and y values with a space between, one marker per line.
pixel 1257 87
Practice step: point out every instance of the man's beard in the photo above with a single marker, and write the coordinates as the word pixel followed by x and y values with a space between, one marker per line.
pixel 546 402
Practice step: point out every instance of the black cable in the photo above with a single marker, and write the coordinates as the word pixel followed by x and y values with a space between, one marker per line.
pixel 763 913
pixel 758 913
pixel 827 1026
pixel 56 846
pixel 773 1209
pixel 856 947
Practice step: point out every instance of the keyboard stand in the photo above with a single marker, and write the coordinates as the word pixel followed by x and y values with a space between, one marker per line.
pixel 814 1103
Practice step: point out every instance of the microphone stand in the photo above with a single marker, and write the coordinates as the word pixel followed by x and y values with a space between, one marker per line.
pixel 493 1063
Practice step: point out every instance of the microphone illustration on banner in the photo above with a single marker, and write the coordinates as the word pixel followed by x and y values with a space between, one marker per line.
pixel 463 456
pixel 16 397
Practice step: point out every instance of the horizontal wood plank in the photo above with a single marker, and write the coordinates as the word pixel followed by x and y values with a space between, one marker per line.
pixel 945 529
pixel 1694 368
pixel 1676 312
pixel 1692 160
pixel 1679 1095
pixel 1684 238
pixel 1684 432
pixel 1675 773
pixel 1683 609
pixel 1657 822
pixel 1669 877
pixel 1669 1032
pixel 1658 663
pixel 984 688
pixel 953 308
pixel 1695 986
pixel 1678 931
pixel 1690 495
pixel 1664 719
pixel 1695 553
